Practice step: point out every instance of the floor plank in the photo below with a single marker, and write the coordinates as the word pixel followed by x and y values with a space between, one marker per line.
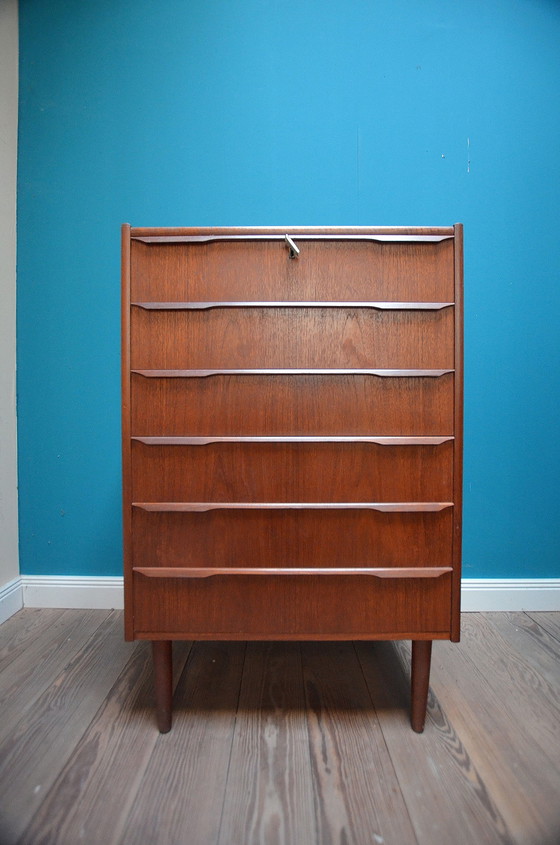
pixel 536 645
pixel 548 620
pixel 44 737
pixel 443 790
pixel 35 668
pixel 356 788
pixel 91 799
pixel 516 773
pixel 24 628
pixel 281 743
pixel 181 795
pixel 531 699
pixel 269 795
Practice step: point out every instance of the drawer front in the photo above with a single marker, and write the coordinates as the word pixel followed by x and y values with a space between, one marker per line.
pixel 292 472
pixel 300 607
pixel 237 340
pixel 228 405
pixel 325 270
pixel 292 337
pixel 282 538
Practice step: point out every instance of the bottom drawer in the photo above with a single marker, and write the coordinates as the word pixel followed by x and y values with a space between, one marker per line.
pixel 291 607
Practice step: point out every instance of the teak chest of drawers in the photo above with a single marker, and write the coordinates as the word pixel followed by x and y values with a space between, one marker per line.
pixel 292 437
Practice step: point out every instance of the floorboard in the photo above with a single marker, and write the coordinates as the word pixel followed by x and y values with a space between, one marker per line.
pixel 355 785
pixel 532 642
pixel 514 771
pixel 549 622
pixel 529 698
pixel 280 743
pixel 109 761
pixel 44 737
pixel 23 630
pixel 269 792
pixel 35 667
pixel 445 795
pixel 181 794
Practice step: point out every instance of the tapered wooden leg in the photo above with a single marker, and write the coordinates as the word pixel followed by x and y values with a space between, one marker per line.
pixel 163 683
pixel 420 682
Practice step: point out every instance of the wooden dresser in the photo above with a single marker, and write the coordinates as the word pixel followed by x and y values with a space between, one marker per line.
pixel 292 438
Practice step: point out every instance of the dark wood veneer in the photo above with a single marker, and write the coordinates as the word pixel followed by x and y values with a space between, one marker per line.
pixel 291 404
pixel 292 436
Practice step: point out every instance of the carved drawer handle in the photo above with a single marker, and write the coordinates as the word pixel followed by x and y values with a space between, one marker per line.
pixel 211 572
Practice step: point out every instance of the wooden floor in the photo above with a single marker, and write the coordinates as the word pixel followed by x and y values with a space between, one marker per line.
pixel 299 743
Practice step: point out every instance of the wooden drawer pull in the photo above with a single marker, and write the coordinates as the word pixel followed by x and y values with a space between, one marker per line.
pixel 207 239
pixel 382 507
pixel 377 306
pixel 210 572
pixel 292 372
pixel 379 441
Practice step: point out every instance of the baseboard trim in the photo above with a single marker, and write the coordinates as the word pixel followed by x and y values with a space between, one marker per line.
pixel 480 594
pixel 477 594
pixel 11 598
pixel 72 591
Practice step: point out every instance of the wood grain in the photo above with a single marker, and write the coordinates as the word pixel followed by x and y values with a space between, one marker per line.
pixel 446 796
pixel 35 666
pixel 292 472
pixel 294 607
pixel 346 333
pixel 355 785
pixel 549 621
pixel 530 634
pixel 291 338
pixel 529 691
pixel 333 271
pixel 474 775
pixel 188 768
pixel 42 739
pixel 19 631
pixel 508 761
pixel 269 793
pixel 92 796
pixel 284 537
pixel 292 405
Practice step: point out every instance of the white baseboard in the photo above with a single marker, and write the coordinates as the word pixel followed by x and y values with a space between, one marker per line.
pixel 11 599
pixel 477 594
pixel 72 591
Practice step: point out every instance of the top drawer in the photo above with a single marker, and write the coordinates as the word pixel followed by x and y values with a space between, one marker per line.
pixel 325 270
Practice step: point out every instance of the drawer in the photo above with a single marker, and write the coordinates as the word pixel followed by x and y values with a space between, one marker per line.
pixel 298 404
pixel 298 607
pixel 298 538
pixel 325 270
pixel 291 472
pixel 283 337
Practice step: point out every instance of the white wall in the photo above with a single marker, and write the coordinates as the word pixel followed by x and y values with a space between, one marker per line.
pixel 9 568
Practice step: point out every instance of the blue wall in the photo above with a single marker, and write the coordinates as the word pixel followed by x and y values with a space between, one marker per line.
pixel 218 112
